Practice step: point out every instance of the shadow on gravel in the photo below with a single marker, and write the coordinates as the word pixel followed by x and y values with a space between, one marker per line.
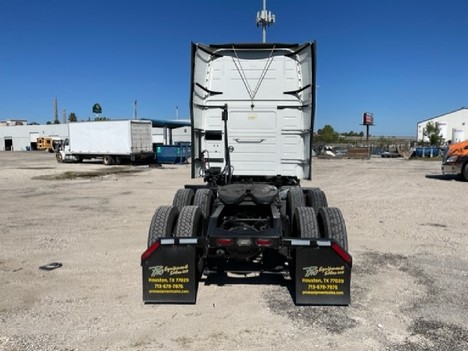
pixel 448 177
pixel 277 280
pixel 249 279
pixel 70 175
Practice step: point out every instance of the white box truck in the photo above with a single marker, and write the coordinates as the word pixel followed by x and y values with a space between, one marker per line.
pixel 252 112
pixel 112 141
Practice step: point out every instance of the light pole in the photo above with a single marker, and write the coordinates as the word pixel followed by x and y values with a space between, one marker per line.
pixel 265 18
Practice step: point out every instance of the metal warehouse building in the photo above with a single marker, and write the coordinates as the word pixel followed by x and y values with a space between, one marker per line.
pixel 23 137
pixel 453 126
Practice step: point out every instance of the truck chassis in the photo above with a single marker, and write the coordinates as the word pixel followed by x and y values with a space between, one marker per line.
pixel 244 228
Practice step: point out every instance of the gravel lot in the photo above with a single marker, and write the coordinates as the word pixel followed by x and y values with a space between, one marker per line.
pixel 407 228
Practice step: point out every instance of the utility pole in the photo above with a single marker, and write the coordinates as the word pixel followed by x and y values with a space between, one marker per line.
pixel 56 120
pixel 135 110
pixel 265 19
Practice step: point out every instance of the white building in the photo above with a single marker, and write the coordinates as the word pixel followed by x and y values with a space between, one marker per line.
pixel 24 137
pixel 453 125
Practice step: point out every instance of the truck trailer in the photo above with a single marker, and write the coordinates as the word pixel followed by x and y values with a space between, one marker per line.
pixel 252 114
pixel 112 141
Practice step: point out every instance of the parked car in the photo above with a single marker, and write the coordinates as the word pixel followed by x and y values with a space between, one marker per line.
pixel 390 154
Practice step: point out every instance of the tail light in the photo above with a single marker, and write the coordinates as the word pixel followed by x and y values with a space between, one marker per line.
pixel 150 251
pixel 224 242
pixel 342 253
pixel 263 242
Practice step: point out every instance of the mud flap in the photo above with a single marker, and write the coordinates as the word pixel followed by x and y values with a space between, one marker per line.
pixel 170 272
pixel 322 275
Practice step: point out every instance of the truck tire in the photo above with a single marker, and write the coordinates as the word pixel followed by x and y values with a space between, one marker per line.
pixel 162 223
pixel 183 197
pixel 204 200
pixel 295 199
pixel 58 157
pixel 465 172
pixel 316 198
pixel 108 160
pixel 332 226
pixel 305 223
pixel 189 223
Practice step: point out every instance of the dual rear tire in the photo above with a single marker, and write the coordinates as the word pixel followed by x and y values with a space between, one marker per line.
pixel 203 198
pixel 313 219
pixel 169 222
pixel 185 218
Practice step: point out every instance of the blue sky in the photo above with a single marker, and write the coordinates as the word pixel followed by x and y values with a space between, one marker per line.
pixel 402 60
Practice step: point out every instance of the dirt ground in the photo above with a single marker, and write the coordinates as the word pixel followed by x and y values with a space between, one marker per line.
pixel 408 234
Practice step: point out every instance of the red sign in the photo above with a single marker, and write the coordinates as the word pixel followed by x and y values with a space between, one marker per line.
pixel 368 119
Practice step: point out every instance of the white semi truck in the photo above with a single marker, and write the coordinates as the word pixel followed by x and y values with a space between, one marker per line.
pixel 252 112
pixel 112 141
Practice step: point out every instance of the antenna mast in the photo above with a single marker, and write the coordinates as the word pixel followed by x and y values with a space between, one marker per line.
pixel 265 19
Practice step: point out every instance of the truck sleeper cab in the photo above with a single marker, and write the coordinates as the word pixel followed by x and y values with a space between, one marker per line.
pixel 257 102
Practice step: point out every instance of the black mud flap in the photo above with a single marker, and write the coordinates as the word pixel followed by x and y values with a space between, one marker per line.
pixel 322 273
pixel 170 271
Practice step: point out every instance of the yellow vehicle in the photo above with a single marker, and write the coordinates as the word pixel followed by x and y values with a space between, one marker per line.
pixel 456 159
pixel 50 144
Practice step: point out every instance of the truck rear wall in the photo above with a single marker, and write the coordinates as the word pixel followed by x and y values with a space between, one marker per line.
pixel 269 91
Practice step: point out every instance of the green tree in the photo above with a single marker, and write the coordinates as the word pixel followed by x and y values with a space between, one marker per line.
pixel 351 134
pixel 327 134
pixel 432 132
pixel 72 117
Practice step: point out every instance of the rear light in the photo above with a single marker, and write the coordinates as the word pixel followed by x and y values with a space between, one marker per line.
pixel 150 251
pixel 224 242
pixel 342 253
pixel 263 242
